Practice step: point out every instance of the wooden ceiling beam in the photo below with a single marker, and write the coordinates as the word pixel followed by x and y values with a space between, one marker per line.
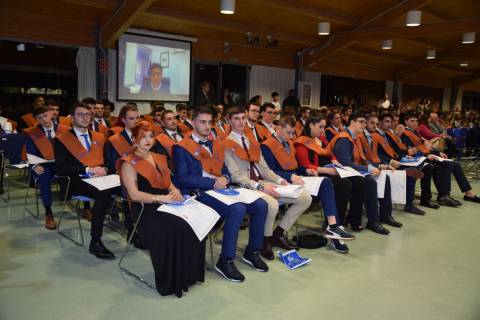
pixel 386 15
pixel 380 55
pixel 227 25
pixel 314 12
pixel 463 80
pixel 103 4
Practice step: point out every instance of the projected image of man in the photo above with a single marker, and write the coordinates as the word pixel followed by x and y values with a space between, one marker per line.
pixel 156 83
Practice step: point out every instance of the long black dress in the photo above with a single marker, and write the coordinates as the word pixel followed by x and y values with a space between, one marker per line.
pixel 178 257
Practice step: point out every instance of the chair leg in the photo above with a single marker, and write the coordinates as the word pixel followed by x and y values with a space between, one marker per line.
pixel 26 209
pixel 77 209
pixel 129 242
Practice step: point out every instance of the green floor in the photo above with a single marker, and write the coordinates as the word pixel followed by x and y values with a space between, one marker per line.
pixel 427 270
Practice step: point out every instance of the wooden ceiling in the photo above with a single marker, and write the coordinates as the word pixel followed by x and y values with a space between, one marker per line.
pixel 353 49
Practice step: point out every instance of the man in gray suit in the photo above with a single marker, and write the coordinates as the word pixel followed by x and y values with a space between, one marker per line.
pixel 246 165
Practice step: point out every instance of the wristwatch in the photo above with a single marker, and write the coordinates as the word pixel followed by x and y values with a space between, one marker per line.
pixel 260 187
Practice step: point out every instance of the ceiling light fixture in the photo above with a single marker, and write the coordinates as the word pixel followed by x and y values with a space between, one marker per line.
pixel 431 54
pixel 464 64
pixel 468 37
pixel 387 44
pixel 324 28
pixel 414 18
pixel 227 6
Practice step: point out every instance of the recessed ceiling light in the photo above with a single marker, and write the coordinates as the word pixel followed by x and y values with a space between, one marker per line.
pixel 431 54
pixel 227 6
pixel 324 28
pixel 468 37
pixel 387 44
pixel 414 18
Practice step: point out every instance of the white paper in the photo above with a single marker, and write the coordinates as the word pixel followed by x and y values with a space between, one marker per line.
pixel 312 184
pixel 105 182
pixel 346 172
pixel 289 191
pixel 398 185
pixel 440 159
pixel 200 217
pixel 413 163
pixel 20 165
pixel 245 196
pixel 33 159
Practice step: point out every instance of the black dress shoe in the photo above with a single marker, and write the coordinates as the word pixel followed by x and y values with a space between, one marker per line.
pixel 392 222
pixel 267 251
pixel 98 250
pixel 357 227
pixel 253 259
pixel 472 199
pixel 377 228
pixel 414 210
pixel 429 204
pixel 228 270
pixel 284 243
pixel 448 201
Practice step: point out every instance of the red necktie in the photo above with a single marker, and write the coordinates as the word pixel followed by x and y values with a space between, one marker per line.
pixel 253 170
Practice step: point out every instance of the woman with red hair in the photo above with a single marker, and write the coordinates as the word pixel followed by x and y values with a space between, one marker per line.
pixel 178 257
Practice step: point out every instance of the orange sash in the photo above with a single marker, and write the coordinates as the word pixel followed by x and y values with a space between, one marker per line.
pixel 370 152
pixel 102 129
pixel 41 141
pixel 253 154
pixel 211 164
pixel 93 158
pixel 287 161
pixel 358 154
pixel 397 140
pixel 311 144
pixel 166 142
pixel 29 119
pixel 385 145
pixel 158 176
pixel 417 141
pixel 66 121
pixel 115 130
pixel 120 144
pixel 219 133
pixel 183 127
pixel 157 129
pixel 333 131
pixel 262 132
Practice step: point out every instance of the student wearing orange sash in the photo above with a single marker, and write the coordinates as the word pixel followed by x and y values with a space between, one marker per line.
pixel 54 107
pixel 170 136
pixel 157 123
pixel 279 153
pixel 39 143
pixel 411 138
pixel 348 150
pixel 244 160
pixel 100 120
pixel 183 123
pixel 304 114
pixel 79 154
pixel 335 125
pixel 177 256
pixel 200 167
pixel 269 114
pixel 252 129
pixel 377 128
pixel 218 131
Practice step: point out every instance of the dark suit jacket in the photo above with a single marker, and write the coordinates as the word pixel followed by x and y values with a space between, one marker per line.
pixel 147 88
pixel 275 166
pixel 343 151
pixel 188 172
pixel 110 154
pixel 201 99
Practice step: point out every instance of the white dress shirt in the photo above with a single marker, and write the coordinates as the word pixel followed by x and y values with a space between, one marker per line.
pixel 174 134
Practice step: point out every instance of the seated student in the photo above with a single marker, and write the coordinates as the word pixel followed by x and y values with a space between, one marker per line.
pixel 183 123
pixel 218 129
pixel 78 153
pixel 100 120
pixel 54 110
pixel 314 156
pixel 108 108
pixel 411 138
pixel 39 144
pixel 302 119
pixel 120 145
pixel 157 124
pixel 335 125
pixel 253 130
pixel 279 153
pixel 199 166
pixel 377 127
pixel 220 121
pixel 269 114
pixel 178 257
pixel 244 161
pixel 348 150
pixel 171 135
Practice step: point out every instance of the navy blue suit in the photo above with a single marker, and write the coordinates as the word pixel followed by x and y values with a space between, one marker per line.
pixel 188 176
pixel 343 151
pixel 111 155
pixel 45 179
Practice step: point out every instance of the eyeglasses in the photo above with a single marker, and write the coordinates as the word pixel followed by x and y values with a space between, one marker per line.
pixel 83 114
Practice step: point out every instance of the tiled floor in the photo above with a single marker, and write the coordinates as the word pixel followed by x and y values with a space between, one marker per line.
pixel 427 270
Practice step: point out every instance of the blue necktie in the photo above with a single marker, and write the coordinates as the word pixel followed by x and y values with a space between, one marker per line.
pixel 286 146
pixel 87 143
pixel 49 134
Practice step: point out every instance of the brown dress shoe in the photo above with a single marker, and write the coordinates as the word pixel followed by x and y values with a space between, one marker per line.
pixel 267 252
pixel 283 243
pixel 50 223
pixel 415 174
pixel 87 214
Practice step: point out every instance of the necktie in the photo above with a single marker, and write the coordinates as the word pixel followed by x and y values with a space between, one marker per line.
pixel 49 134
pixel 174 136
pixel 87 143
pixel 286 146
pixel 206 143
pixel 253 170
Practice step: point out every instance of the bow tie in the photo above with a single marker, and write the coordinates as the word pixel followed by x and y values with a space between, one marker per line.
pixel 207 143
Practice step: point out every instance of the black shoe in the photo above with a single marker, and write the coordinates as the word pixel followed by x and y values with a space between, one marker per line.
pixel 338 245
pixel 98 250
pixel 414 210
pixel 472 199
pixel 228 270
pixel 338 232
pixel 448 201
pixel 429 204
pixel 253 259
pixel 391 222
pixel 377 228
pixel 357 227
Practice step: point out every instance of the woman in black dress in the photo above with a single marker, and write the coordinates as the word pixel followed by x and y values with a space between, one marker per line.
pixel 178 257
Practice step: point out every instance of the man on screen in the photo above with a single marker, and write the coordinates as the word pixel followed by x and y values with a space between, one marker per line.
pixel 156 84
